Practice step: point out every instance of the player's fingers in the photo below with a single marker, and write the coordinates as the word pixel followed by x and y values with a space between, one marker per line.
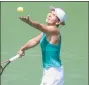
pixel 22 17
pixel 28 16
pixel 25 19
pixel 22 55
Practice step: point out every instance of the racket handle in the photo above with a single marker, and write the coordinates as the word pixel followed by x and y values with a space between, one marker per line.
pixel 14 58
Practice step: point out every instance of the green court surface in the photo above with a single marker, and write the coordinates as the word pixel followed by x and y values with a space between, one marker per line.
pixel 14 33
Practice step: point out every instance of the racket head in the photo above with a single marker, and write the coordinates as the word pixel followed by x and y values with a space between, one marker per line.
pixel 3 68
pixel 7 63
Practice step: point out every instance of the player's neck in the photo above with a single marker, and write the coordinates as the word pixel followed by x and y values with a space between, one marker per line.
pixel 51 24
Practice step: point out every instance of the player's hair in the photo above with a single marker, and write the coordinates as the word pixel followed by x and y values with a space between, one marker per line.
pixel 62 23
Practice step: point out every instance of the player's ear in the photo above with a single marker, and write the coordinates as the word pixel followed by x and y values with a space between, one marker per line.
pixel 58 23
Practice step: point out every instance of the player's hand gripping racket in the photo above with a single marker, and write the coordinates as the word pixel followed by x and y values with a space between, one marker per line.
pixel 7 63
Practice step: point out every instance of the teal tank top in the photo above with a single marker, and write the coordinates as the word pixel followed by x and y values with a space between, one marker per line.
pixel 50 53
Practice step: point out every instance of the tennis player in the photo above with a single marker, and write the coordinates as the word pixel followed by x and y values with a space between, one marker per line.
pixel 50 42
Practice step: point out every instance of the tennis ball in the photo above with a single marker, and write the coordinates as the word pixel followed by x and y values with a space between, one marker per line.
pixel 20 9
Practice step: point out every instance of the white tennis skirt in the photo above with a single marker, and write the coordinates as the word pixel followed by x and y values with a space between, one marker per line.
pixel 53 76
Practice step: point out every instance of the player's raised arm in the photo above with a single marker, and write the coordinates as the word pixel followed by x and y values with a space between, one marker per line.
pixel 41 27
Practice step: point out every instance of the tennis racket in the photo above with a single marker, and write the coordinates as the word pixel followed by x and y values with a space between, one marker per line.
pixel 7 62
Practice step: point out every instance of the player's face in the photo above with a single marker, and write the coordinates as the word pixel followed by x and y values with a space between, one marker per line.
pixel 51 18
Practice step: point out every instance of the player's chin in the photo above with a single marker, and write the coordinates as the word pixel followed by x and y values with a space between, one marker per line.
pixel 48 21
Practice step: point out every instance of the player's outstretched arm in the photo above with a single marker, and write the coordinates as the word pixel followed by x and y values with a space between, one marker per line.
pixel 41 27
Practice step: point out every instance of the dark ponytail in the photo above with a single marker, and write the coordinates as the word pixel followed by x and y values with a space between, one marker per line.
pixel 62 23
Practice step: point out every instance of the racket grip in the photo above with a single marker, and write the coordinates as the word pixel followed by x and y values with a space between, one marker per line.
pixel 14 58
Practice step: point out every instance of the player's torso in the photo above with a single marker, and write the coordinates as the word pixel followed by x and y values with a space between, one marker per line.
pixel 52 39
pixel 50 52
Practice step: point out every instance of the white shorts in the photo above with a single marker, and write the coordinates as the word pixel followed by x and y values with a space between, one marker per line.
pixel 53 76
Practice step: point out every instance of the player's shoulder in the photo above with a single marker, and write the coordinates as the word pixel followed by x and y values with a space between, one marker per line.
pixel 53 29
